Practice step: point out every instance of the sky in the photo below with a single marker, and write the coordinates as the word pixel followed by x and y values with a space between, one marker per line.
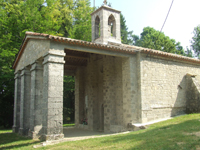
pixel 182 19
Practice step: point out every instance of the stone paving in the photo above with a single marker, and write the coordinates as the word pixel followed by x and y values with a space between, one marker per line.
pixel 75 134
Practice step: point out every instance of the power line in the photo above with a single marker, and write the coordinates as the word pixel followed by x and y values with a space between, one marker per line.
pixel 162 26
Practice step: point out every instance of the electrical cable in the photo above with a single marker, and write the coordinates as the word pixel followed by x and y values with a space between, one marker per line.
pixel 163 25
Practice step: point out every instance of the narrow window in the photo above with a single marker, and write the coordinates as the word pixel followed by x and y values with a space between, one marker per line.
pixel 112 26
pixel 97 28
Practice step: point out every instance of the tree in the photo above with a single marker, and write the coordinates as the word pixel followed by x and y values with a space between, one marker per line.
pixel 68 100
pixel 188 52
pixel 8 50
pixel 127 37
pixel 153 39
pixel 17 17
pixel 66 18
pixel 195 43
pixel 82 20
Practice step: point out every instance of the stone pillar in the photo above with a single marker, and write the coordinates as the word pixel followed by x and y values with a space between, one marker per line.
pixel 53 75
pixel 25 101
pixel 77 117
pixel 16 116
pixel 130 90
pixel 79 96
pixel 36 100
pixel 108 91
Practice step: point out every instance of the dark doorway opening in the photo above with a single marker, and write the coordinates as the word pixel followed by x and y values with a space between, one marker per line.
pixel 68 100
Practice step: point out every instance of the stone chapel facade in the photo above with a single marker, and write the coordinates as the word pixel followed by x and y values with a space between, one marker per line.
pixel 115 84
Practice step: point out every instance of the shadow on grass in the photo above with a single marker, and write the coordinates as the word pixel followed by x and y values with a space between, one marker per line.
pixel 13 140
pixel 173 136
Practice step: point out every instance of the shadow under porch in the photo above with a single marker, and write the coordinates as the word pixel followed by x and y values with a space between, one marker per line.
pixel 98 90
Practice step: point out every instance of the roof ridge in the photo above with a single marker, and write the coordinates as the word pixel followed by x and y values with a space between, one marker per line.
pixel 120 48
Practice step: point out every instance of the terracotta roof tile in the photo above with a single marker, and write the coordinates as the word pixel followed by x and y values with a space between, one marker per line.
pixel 123 48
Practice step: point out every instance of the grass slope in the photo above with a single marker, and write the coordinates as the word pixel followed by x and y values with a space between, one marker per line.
pixel 179 133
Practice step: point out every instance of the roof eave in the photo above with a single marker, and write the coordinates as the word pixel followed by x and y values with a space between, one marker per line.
pixel 105 7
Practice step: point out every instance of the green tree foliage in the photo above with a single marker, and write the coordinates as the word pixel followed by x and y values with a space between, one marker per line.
pixel 7 53
pixel 65 14
pixel 188 52
pixel 55 17
pixel 82 28
pixel 17 17
pixel 127 37
pixel 153 39
pixel 69 99
pixel 195 43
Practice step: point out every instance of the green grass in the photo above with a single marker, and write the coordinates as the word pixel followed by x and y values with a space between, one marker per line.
pixel 5 131
pixel 69 125
pixel 179 133
pixel 9 140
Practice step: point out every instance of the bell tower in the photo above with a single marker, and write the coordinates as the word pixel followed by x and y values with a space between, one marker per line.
pixel 106 25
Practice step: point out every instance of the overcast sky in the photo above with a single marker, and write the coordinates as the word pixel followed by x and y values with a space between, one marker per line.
pixel 183 17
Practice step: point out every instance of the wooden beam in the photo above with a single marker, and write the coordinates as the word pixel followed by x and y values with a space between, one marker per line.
pixel 79 57
pixel 75 65
pixel 69 73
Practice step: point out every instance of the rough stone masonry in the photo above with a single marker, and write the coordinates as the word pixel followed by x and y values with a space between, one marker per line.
pixel 116 85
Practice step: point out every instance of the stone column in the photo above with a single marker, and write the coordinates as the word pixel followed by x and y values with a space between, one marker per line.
pixel 77 84
pixel 108 92
pixel 130 90
pixel 16 103
pixel 79 96
pixel 53 94
pixel 25 101
pixel 36 100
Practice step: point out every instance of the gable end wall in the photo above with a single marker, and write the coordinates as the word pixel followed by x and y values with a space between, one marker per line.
pixel 34 50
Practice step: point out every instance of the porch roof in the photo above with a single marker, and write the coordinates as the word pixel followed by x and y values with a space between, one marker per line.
pixel 112 47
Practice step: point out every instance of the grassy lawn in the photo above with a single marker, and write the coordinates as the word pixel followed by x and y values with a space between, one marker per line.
pixel 69 125
pixel 9 140
pixel 178 133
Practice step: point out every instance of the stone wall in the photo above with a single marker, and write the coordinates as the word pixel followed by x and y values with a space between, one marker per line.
pixel 99 94
pixel 53 74
pixel 36 103
pixel 131 90
pixel 112 92
pixel 164 87
pixel 193 94
pixel 16 114
pixel 38 109
pixel 34 50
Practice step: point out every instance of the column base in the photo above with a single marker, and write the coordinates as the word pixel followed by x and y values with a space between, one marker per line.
pixel 52 137
pixel 21 131
pixel 34 134
pixel 15 129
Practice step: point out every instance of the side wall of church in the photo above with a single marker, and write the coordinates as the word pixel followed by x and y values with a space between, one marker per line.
pixel 164 86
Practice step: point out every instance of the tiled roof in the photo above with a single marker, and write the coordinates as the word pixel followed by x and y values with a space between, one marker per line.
pixel 123 48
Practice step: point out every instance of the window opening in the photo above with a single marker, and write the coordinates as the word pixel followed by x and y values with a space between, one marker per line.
pixel 97 28
pixel 112 26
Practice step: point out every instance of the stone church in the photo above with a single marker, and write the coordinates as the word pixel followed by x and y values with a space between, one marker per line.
pixel 116 85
